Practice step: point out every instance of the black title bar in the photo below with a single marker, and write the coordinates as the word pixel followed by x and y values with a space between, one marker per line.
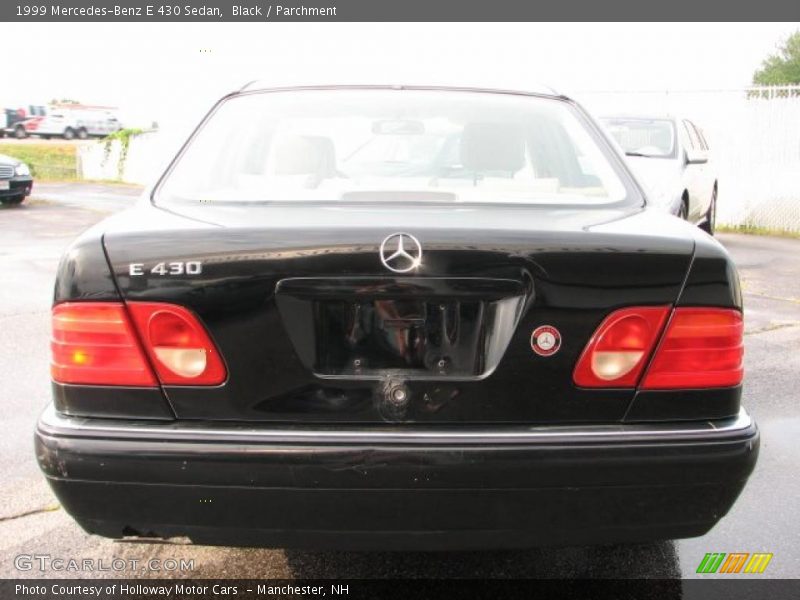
pixel 153 11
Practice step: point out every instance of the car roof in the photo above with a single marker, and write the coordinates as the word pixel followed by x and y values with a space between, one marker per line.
pixel 266 86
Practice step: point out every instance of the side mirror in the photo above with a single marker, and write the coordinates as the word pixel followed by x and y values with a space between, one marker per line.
pixel 696 157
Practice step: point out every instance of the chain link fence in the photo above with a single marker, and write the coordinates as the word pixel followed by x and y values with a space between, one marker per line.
pixel 48 160
pixel 754 134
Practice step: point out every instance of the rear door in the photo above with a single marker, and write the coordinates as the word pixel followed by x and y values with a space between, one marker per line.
pixel 708 172
pixel 695 174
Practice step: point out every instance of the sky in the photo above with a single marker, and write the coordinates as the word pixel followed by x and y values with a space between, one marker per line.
pixel 172 72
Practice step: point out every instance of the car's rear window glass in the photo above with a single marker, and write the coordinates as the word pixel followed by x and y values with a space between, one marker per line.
pixel 393 145
pixel 643 137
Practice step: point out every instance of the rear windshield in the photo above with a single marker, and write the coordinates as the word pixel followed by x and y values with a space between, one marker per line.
pixel 394 146
pixel 653 138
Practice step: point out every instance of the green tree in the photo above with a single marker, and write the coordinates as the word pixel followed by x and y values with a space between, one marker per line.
pixel 783 67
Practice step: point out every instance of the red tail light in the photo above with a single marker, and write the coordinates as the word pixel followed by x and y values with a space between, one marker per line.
pixel 179 347
pixel 619 349
pixel 702 348
pixel 94 343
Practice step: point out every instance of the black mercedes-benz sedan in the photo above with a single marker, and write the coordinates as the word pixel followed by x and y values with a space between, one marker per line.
pixel 397 318
pixel 16 182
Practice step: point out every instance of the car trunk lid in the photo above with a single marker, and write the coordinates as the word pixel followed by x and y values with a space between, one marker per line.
pixel 315 327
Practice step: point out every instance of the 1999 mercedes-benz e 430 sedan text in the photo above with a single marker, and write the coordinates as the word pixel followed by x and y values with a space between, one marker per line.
pixel 397 317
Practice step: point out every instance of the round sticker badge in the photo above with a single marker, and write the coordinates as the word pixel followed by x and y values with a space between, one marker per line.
pixel 545 340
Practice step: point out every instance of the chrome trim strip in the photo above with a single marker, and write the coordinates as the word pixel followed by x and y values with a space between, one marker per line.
pixel 52 424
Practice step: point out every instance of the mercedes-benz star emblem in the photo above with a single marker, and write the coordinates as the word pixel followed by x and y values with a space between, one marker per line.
pixel 401 252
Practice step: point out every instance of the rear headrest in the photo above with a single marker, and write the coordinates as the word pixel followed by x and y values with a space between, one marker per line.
pixel 492 147
pixel 305 155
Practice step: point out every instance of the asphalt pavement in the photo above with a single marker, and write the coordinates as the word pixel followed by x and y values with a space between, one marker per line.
pixel 764 519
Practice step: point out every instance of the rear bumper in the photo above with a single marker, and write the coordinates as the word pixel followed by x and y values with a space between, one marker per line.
pixel 393 489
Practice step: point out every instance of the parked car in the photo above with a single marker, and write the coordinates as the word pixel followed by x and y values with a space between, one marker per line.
pixel 15 180
pixel 672 158
pixel 397 317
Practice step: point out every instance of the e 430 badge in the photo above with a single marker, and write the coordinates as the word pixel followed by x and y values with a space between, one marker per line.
pixel 192 267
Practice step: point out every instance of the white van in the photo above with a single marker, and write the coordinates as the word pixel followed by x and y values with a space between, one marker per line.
pixel 71 123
